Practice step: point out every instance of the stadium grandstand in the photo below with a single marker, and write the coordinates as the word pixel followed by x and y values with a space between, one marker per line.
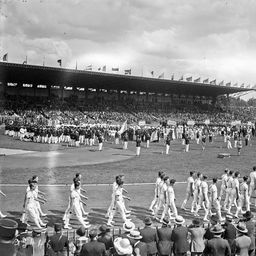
pixel 73 96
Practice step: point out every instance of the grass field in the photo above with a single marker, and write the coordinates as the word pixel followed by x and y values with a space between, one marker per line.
pixel 136 169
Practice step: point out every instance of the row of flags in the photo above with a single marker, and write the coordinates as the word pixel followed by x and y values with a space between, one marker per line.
pixel 161 76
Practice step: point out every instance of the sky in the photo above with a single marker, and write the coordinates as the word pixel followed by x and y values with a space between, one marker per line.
pixel 213 39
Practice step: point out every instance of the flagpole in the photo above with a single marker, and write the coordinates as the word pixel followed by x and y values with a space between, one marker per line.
pixel 43 61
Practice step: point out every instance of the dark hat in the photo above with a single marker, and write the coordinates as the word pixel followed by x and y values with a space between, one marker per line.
pixel 148 221
pixel 93 233
pixel 8 229
pixel 104 228
pixel 36 232
pixel 165 221
pixel 57 227
pixel 172 181
pixel 196 222
pixel 217 229
pixel 214 218
pixel 81 231
pixel 229 217
pixel 248 215
pixel 241 227
pixel 22 227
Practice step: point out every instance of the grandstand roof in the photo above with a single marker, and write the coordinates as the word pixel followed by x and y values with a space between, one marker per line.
pixel 33 74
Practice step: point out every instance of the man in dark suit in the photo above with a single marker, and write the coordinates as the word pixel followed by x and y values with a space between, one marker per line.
pixel 164 239
pixel 93 248
pixel 217 246
pixel 58 243
pixel 106 237
pixel 180 237
pixel 230 230
pixel 139 248
pixel 149 236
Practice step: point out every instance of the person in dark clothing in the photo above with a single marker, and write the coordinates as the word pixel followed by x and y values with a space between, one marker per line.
pixel 250 225
pixel 58 243
pixel 93 248
pixel 139 248
pixel 106 237
pixel 230 230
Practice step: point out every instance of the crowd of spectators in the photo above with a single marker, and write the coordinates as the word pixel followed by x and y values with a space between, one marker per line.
pixel 218 238
pixel 73 111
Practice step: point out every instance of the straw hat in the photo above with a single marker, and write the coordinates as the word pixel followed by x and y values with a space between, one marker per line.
pixel 179 220
pixel 128 226
pixel 122 246
pixel 217 229
pixel 241 227
pixel 134 234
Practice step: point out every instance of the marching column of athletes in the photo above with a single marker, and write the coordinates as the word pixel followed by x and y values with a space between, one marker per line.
pixel 234 197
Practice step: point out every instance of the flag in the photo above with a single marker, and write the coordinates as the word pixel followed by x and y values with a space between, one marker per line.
pixel 172 78
pixel 104 68
pixel 189 79
pixel 242 85
pixel 235 85
pixel 5 57
pixel 197 80
pixel 25 61
pixel 152 73
pixel 206 81
pixel 228 84
pixel 221 83
pixel 213 82
pixel 181 79
pixel 154 136
pixel 89 67
pixel 60 62
pixel 115 69
pixel 161 76
pixel 123 128
pixel 127 71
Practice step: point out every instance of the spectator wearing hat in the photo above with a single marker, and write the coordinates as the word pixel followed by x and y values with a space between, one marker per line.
pixel 217 246
pixel 58 243
pixel 180 237
pixel 8 231
pixel 242 243
pixel 149 236
pixel 197 237
pixel 122 247
pixel 81 240
pixel 230 230
pixel 26 243
pixel 164 235
pixel 139 248
pixel 93 248
pixel 106 237
pixel 128 226
pixel 250 225
pixel 213 221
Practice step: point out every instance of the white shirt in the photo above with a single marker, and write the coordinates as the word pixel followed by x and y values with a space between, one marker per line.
pixel 213 191
pixel 197 185
pixel 204 189
pixel 229 182
pixel 189 182
pixel 244 189
pixel 224 179
pixel 252 178
pixel 170 194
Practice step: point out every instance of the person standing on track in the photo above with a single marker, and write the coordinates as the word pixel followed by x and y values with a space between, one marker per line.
pixel 189 190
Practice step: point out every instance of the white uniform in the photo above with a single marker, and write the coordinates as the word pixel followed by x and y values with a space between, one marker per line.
pixel 213 198
pixel 244 199
pixel 224 179
pixel 234 194
pixel 162 199
pixel 228 191
pixel 118 205
pixel 203 198
pixel 189 190
pixel 154 202
pixel 252 183
pixel 114 188
pixel 197 186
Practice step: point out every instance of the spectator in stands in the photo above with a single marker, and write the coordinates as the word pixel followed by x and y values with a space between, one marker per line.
pixel 217 246
pixel 180 237
pixel 197 238
pixel 58 243
pixel 164 239
pixel 139 248
pixel 149 236
pixel 93 248
pixel 106 237
pixel 8 231
pixel 250 225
